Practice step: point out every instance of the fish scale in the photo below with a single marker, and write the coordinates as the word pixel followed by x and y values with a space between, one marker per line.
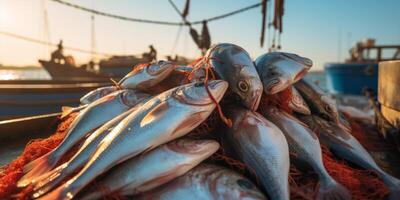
pixel 305 144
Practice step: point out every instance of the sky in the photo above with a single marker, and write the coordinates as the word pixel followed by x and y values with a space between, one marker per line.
pixel 322 30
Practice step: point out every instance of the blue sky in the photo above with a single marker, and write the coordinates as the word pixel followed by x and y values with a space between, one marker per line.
pixel 312 28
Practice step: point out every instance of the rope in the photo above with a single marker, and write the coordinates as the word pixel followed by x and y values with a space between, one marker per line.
pixel 97 12
pixel 52 44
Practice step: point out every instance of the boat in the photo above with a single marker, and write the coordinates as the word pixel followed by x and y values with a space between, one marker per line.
pixel 360 71
pixel 22 98
pixel 63 71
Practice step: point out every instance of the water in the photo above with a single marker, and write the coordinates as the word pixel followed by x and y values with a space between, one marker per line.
pixel 31 73
pixel 37 73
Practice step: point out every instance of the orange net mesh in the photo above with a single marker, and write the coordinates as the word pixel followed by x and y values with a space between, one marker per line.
pixel 12 172
pixel 363 184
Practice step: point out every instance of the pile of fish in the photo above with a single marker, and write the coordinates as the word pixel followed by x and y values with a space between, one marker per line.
pixel 133 139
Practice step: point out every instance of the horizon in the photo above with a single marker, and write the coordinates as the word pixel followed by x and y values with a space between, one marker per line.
pixel 325 33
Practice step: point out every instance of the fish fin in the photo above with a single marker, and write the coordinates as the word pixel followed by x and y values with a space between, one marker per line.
pixel 155 113
pixel 333 191
pixel 35 169
pixel 49 180
pixel 66 110
pixel 57 194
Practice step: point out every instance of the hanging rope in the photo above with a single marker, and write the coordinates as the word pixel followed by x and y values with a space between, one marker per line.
pixel 96 12
pixel 185 11
pixel 264 18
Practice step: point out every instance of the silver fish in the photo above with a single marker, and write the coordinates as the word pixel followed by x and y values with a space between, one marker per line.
pixel 206 181
pixel 96 114
pixel 233 64
pixel 344 145
pixel 165 117
pixel 49 180
pixel 144 78
pixel 97 94
pixel 155 168
pixel 320 103
pixel 305 145
pixel 298 104
pixel 279 70
pixel 262 146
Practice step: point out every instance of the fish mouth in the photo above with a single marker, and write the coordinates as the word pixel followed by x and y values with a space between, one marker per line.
pixel 273 86
pixel 189 146
pixel 253 102
pixel 300 75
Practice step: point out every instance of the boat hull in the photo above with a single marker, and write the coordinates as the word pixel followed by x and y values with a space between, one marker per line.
pixel 351 78
pixel 62 72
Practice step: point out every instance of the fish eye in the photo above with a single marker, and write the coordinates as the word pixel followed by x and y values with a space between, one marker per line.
pixel 244 184
pixel 328 108
pixel 199 84
pixel 153 69
pixel 243 86
pixel 272 73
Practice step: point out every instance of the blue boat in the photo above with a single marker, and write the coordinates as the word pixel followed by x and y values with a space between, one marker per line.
pixel 360 71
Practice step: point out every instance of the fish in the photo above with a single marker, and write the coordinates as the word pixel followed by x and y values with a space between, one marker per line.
pixel 297 103
pixel 141 174
pixel 145 77
pixel 93 116
pixel 262 146
pixel 51 179
pixel 97 94
pixel 233 64
pixel 305 145
pixel 279 70
pixel 206 181
pixel 163 118
pixel 346 146
pixel 320 103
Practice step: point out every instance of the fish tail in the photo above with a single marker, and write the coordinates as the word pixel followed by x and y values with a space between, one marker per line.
pixel 49 181
pixel 35 169
pixel 57 194
pixel 333 191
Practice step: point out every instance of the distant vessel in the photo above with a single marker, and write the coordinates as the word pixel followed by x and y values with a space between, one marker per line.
pixel 65 71
pixel 361 70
